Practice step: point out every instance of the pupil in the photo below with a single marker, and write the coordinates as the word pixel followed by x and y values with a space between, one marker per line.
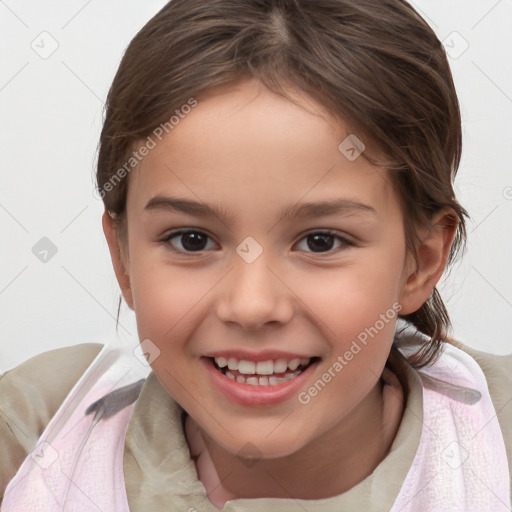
pixel 193 241
pixel 318 240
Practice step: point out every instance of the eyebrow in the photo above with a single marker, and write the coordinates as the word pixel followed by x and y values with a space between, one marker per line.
pixel 300 210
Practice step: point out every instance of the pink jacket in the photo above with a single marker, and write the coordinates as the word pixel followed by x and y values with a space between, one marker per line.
pixel 460 465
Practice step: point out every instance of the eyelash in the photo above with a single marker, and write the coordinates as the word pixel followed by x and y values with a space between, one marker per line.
pixel 173 234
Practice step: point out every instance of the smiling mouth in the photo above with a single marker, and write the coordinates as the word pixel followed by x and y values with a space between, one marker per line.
pixel 256 379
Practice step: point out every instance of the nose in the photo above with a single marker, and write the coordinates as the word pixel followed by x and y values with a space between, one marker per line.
pixel 253 295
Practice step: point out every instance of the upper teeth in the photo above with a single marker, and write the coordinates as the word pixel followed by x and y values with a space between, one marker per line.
pixel 261 367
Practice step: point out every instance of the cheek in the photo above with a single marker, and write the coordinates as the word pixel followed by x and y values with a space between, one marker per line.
pixel 350 298
pixel 162 294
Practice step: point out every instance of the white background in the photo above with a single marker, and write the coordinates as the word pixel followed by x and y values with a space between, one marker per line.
pixel 50 120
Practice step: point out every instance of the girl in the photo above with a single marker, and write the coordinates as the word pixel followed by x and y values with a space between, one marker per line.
pixel 278 186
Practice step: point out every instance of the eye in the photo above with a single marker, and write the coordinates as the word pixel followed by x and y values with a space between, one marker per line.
pixel 323 241
pixel 190 240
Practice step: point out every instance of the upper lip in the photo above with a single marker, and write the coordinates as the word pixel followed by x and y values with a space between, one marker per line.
pixel 265 355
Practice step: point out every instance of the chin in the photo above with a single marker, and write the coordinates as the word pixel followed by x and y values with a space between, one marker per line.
pixel 251 449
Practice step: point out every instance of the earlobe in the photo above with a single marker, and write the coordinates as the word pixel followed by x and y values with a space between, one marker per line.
pixel 119 261
pixel 433 253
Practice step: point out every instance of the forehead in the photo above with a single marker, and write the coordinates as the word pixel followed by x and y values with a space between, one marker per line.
pixel 245 146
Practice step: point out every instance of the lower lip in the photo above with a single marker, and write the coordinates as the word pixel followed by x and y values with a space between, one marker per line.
pixel 247 394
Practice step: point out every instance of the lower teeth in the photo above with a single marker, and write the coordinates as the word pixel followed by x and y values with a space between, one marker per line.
pixel 263 380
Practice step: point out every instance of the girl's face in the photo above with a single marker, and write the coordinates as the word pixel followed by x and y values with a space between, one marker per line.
pixel 226 259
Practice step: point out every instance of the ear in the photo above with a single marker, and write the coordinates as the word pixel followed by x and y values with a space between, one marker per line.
pixel 433 252
pixel 119 258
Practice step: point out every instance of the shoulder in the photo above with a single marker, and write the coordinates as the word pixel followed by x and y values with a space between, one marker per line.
pixel 30 395
pixel 497 370
pixel 498 374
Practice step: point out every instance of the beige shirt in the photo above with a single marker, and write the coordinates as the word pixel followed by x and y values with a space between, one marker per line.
pixel 159 471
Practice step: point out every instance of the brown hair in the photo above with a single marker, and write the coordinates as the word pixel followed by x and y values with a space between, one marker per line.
pixel 374 63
